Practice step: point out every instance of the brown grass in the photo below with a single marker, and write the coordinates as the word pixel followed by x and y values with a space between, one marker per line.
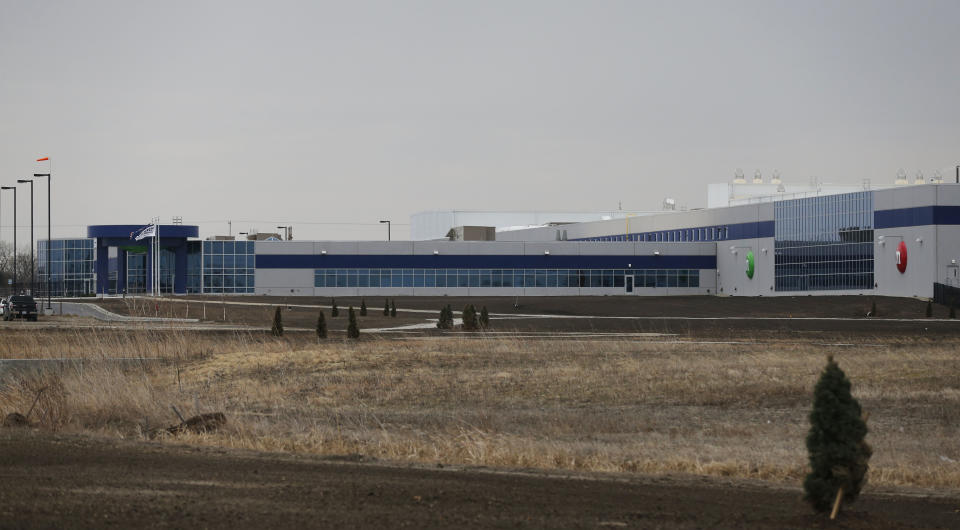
pixel 622 406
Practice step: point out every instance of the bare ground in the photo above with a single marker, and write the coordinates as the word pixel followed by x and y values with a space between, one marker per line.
pixel 59 481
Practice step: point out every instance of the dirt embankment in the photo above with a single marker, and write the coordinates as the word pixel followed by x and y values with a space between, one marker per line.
pixel 80 482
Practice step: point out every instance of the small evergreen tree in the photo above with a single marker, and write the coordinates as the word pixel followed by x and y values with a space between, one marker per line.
pixel 386 307
pixel 363 307
pixel 484 318
pixel 837 449
pixel 277 328
pixel 353 331
pixel 446 318
pixel 321 326
pixel 929 309
pixel 873 309
pixel 393 308
pixel 469 318
pixel 334 311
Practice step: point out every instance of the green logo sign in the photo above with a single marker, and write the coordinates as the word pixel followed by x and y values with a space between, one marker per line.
pixel 750 264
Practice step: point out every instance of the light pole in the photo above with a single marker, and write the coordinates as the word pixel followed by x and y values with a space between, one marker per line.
pixel 33 285
pixel 49 249
pixel 14 188
pixel 388 229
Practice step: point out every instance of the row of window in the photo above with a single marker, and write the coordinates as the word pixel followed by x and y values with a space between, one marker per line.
pixel 229 261
pixel 713 233
pixel 227 281
pixel 824 282
pixel 505 277
pixel 228 247
pixel 824 243
pixel 830 218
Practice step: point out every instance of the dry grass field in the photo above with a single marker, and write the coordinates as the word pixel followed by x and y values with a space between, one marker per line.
pixel 629 406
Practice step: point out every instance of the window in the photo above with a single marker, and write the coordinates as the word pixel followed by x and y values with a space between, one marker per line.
pixel 230 265
pixel 824 243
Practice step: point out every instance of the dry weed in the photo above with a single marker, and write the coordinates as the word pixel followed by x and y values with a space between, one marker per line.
pixel 628 406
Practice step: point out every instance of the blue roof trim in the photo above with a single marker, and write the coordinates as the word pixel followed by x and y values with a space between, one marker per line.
pixel 314 261
pixel 123 231
pixel 918 216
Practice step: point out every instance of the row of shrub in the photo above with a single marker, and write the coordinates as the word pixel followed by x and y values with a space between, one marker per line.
pixel 389 308
pixel 472 321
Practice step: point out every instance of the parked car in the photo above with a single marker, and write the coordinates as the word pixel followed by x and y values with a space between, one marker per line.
pixel 20 306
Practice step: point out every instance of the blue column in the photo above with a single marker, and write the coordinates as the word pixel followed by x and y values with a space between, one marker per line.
pixel 180 269
pixel 121 270
pixel 103 267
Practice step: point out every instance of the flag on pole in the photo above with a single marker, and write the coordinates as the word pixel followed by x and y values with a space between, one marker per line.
pixel 42 159
pixel 149 231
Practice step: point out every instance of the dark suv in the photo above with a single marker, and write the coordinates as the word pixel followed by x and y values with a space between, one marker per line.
pixel 20 306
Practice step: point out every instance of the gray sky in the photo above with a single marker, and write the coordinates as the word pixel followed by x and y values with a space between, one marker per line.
pixel 276 112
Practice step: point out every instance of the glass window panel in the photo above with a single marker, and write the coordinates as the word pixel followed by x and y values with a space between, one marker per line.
pixel 661 278
pixel 618 278
pixel 519 278
pixel 540 279
pixel 551 277
pixel 596 278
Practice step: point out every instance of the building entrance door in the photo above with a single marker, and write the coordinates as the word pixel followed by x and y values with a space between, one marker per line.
pixel 628 283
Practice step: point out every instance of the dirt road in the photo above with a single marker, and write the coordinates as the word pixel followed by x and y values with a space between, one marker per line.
pixel 64 481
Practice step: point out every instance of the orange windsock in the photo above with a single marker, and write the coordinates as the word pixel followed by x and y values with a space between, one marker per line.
pixel 42 159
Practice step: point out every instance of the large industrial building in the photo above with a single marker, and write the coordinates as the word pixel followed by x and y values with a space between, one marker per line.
pixel 894 242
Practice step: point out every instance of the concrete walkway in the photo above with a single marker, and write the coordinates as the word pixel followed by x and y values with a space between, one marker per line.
pixel 81 309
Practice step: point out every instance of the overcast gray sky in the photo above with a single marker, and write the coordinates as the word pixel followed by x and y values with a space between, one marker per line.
pixel 276 112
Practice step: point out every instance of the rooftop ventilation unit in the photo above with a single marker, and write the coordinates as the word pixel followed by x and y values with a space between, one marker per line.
pixel 738 177
pixel 901 178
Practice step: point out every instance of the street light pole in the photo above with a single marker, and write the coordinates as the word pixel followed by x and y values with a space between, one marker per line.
pixel 388 229
pixel 49 249
pixel 33 283
pixel 14 188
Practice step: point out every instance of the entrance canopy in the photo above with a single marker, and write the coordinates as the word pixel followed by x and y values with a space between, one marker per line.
pixel 122 237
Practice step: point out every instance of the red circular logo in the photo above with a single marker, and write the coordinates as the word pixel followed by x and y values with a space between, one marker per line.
pixel 902 257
